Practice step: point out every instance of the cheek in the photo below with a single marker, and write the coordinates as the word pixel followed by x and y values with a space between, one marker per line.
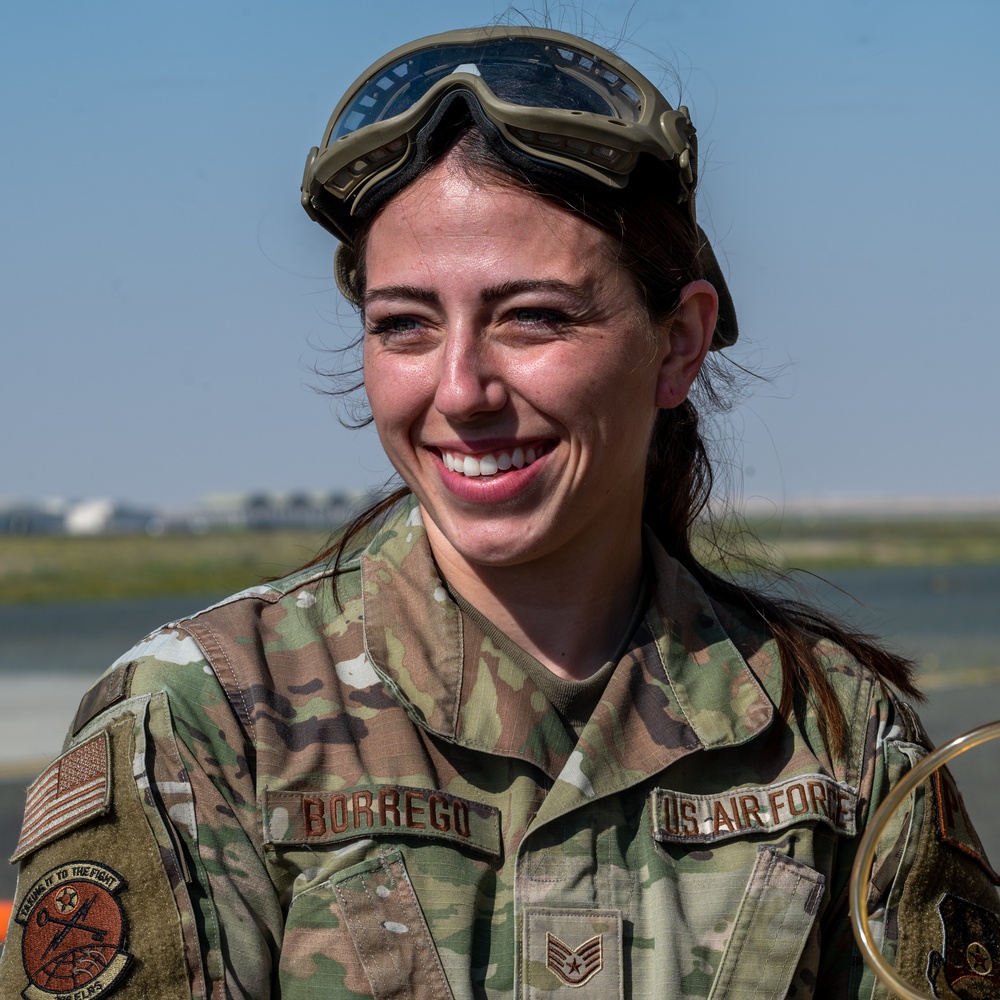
pixel 383 401
pixel 397 392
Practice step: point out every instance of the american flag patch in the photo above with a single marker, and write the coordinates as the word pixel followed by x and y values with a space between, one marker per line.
pixel 71 790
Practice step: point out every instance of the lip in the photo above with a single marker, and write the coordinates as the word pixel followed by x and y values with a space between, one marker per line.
pixel 498 487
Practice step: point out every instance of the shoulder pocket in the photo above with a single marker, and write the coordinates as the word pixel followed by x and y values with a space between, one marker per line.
pixel 96 884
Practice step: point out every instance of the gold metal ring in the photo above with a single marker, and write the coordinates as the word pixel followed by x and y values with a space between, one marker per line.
pixel 861 873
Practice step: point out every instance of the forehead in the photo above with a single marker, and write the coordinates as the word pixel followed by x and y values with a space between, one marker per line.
pixel 449 221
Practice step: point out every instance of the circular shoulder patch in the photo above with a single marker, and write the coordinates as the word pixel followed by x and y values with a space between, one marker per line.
pixel 74 931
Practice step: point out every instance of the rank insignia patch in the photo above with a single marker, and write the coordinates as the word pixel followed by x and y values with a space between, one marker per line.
pixel 969 962
pixel 576 949
pixel 74 932
pixel 574 966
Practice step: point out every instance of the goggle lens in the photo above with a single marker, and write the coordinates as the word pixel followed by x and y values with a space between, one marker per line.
pixel 520 71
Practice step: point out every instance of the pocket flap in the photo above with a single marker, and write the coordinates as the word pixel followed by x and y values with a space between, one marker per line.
pixel 389 932
pixel 771 928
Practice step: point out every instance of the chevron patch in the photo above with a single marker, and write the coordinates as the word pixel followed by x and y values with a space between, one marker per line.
pixel 574 966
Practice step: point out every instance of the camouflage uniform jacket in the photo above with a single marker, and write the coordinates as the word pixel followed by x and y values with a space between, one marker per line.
pixel 277 797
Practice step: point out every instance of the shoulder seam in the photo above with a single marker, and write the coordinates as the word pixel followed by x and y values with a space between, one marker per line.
pixel 270 593
pixel 202 631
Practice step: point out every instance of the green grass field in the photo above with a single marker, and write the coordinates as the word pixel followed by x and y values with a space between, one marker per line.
pixel 64 568
pixel 60 568
pixel 824 543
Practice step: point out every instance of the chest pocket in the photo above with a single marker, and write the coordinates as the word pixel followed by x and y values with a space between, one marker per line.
pixel 775 915
pixel 357 922
pixel 361 932
pixel 772 926
pixel 389 932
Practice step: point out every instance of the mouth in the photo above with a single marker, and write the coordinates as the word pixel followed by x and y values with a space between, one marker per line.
pixel 494 463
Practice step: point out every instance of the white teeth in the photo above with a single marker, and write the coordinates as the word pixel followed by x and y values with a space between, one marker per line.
pixel 490 465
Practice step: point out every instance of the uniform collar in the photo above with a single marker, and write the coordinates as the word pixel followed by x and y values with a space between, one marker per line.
pixel 682 685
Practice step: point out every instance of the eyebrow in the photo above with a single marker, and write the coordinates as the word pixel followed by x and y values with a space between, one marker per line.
pixel 496 292
pixel 493 293
pixel 412 292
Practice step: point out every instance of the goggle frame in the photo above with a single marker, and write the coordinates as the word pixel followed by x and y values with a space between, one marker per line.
pixel 341 171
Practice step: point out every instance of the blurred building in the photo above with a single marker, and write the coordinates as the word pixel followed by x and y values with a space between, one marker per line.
pixel 111 517
pixel 25 517
pixel 277 510
pixel 249 511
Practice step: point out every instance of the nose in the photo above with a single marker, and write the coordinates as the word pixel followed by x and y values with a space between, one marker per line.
pixel 469 379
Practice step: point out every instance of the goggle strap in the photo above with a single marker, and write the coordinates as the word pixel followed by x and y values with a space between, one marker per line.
pixel 726 328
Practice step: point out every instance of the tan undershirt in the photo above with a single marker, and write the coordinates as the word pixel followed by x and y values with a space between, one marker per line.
pixel 574 701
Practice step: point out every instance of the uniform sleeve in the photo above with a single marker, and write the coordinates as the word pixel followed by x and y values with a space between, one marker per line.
pixel 932 899
pixel 141 867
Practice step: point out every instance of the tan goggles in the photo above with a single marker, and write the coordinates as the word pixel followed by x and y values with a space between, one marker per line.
pixel 528 72
pixel 551 95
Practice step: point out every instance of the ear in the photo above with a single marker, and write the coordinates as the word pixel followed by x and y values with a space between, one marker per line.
pixel 688 336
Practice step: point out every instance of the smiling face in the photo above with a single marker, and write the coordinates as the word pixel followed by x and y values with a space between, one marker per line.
pixel 512 372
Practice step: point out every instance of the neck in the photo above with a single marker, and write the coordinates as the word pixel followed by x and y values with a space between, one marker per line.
pixel 569 610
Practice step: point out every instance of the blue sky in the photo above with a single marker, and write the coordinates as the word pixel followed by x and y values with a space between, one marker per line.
pixel 164 299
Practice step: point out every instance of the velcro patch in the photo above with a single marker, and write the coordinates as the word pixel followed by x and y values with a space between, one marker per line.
pixel 71 790
pixel 680 818
pixel 109 690
pixel 969 961
pixel 323 817
pixel 574 966
pixel 74 932
pixel 579 949
pixel 953 824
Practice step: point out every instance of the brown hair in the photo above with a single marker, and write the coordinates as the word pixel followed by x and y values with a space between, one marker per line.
pixel 655 241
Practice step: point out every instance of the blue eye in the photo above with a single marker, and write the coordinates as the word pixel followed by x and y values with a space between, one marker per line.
pixel 393 324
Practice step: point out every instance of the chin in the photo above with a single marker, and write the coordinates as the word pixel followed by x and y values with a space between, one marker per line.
pixel 504 542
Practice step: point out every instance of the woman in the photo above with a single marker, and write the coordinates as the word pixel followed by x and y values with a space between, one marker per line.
pixel 503 739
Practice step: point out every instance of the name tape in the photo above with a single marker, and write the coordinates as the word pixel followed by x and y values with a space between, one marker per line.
pixel 322 817
pixel 680 818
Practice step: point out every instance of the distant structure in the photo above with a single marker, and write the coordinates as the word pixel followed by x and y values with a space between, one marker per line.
pixel 262 511
pixel 110 517
pixel 21 517
pixel 266 511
